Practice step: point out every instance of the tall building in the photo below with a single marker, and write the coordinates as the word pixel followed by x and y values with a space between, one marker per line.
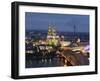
pixel 52 37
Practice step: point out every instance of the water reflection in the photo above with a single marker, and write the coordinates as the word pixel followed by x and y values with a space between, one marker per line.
pixel 44 62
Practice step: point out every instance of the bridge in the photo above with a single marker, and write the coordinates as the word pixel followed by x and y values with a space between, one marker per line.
pixel 47 54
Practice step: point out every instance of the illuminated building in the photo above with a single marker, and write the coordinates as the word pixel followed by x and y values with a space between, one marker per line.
pixel 52 37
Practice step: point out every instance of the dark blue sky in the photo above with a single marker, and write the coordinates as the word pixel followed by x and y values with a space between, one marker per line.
pixel 62 22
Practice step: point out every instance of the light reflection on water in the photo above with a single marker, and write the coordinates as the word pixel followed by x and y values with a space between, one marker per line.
pixel 44 63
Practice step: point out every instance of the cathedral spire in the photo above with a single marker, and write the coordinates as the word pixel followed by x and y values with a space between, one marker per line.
pixel 51 30
pixel 52 37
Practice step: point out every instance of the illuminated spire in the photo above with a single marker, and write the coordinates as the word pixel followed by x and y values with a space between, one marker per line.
pixel 51 30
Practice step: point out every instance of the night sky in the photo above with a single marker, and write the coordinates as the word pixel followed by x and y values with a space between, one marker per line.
pixel 62 22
